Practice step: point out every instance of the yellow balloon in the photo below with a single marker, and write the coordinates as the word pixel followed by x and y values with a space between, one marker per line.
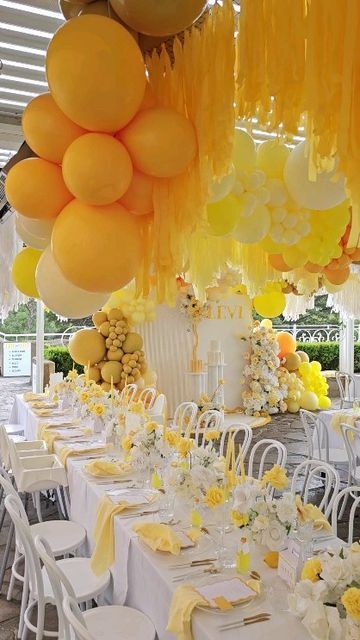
pixel 305 368
pixel 253 228
pixel 303 356
pixel 292 406
pixel 59 295
pixel 244 154
pixel 324 402
pixel 292 361
pixel 36 189
pixel 95 72
pixel 87 347
pixel 47 130
pixel 133 342
pixel 223 215
pixel 23 271
pixel 111 370
pixel 138 199
pixel 35 233
pixel 309 401
pixel 97 169
pixel 271 158
pixel 156 18
pixel 270 305
pixel 70 9
pixel 294 257
pixel 266 323
pixel 97 248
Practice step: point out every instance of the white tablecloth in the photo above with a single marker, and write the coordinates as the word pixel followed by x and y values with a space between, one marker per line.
pixel 21 414
pixel 335 438
pixel 142 578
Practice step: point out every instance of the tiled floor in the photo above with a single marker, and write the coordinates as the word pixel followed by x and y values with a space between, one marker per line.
pixel 286 428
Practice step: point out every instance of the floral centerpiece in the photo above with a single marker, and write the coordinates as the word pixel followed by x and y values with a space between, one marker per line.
pixel 327 598
pixel 146 445
pixel 194 311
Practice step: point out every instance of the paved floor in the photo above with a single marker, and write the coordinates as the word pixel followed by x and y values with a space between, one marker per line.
pixel 286 428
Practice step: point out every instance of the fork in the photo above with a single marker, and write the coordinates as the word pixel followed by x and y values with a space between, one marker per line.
pixel 195 574
pixel 259 617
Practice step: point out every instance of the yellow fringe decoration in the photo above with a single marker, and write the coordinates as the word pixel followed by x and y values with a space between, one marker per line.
pixel 200 84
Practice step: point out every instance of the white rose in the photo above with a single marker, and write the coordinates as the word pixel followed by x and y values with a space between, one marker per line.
pixel 275 535
pixel 352 629
pixel 337 573
pixel 304 594
pixel 260 524
pixel 323 623
pixel 244 497
pixel 286 509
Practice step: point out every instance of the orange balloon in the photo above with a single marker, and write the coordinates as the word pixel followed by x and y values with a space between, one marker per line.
pixel 36 189
pixel 287 343
pixel 47 130
pixel 162 142
pixel 338 276
pixel 277 262
pixel 97 169
pixel 97 248
pixel 138 198
pixel 96 73
pixel 311 267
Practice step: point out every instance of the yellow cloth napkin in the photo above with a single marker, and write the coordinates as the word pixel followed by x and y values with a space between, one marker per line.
pixel 159 537
pixel 309 512
pixel 42 412
pixel 184 601
pixel 66 452
pixel 103 467
pixel 51 436
pixel 104 552
pixel 29 396
pixel 42 405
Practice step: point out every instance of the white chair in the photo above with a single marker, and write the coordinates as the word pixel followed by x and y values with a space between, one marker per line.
pixel 22 446
pixel 343 495
pixel 234 431
pixel 37 587
pixel 317 437
pixel 107 623
pixel 185 417
pixel 159 406
pixel 110 622
pixel 147 397
pixel 207 421
pixel 14 429
pixel 315 469
pixel 63 536
pixel 274 453
pixel 128 394
pixel 347 388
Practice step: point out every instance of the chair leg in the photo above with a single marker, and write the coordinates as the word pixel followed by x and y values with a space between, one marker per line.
pixel 345 499
pixel 6 554
pixel 2 518
pixel 36 497
pixel 12 579
pixel 24 602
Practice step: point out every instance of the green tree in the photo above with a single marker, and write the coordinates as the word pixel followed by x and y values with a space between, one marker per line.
pixel 23 320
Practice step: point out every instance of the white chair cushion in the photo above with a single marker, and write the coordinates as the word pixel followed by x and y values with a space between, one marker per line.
pixel 84 582
pixel 119 623
pixel 63 536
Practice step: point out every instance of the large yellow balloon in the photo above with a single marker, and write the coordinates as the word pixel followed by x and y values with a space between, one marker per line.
pixel 47 130
pixel 35 233
pixel 36 189
pixel 95 72
pixel 244 154
pixel 270 305
pixel 97 169
pixel 162 142
pixel 223 215
pixel 87 347
pixel 271 158
pixel 251 229
pixel 59 295
pixel 97 248
pixel 309 401
pixel 23 271
pixel 138 199
pixel 158 17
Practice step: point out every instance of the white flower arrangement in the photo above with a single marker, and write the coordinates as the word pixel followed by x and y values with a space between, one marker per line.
pixel 264 392
pixel 327 598
pixel 271 520
pixel 146 446
pixel 191 478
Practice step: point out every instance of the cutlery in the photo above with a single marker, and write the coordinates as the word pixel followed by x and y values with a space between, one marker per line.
pixel 260 617
pixel 138 514
pixel 194 574
pixel 110 482
pixel 193 563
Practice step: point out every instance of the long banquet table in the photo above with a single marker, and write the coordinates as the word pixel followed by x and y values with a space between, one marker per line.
pixel 143 579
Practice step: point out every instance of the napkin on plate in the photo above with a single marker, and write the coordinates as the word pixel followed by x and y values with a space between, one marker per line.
pixel 103 467
pixel 159 537
pixel 51 436
pixel 104 552
pixel 29 396
pixel 67 452
pixel 184 601
pixel 43 405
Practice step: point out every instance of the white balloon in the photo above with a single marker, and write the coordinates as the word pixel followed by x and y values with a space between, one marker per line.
pixel 219 189
pixel 320 195
pixel 278 195
pixel 35 233
pixel 62 297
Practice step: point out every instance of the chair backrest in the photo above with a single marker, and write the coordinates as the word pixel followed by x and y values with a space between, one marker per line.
pixel 159 405
pixel 75 618
pixel 147 397
pixel 59 582
pixel 267 457
pixel 4 448
pixel 128 394
pixel 208 421
pixel 350 436
pixel 185 416
pixel 346 385
pixel 311 470
pixel 9 490
pixel 234 431
pixel 343 495
pixel 316 435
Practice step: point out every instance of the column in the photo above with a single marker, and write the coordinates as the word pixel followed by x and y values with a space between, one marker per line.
pixel 39 379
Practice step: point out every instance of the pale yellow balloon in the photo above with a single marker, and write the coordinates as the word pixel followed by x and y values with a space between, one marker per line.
pixel 251 229
pixel 266 323
pixel 35 233
pixel 271 158
pixel 244 154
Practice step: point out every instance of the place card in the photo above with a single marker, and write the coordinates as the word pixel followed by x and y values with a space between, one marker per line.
pixel 233 591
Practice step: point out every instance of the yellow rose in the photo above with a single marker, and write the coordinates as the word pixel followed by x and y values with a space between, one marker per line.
pixel 137 407
pixel 239 519
pixel 98 409
pixel 151 426
pixel 215 496
pixel 184 445
pixel 276 476
pixel 172 438
pixel 84 397
pixel 213 434
pixel 72 375
pixel 311 570
pixel 126 443
pixel 351 601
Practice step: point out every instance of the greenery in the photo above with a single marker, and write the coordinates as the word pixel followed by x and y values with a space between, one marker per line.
pixel 24 321
pixel 321 314
pixel 327 353
pixel 62 359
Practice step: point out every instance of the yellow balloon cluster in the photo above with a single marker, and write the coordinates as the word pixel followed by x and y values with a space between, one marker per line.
pixel 295 389
pixel 316 387
pixel 136 310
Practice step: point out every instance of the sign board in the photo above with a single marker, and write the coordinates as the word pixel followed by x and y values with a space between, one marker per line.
pixel 16 359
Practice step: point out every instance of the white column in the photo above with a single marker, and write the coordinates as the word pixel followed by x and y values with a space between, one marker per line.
pixel 346 346
pixel 39 380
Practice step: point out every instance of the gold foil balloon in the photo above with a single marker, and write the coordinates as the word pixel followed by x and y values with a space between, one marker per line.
pixel 158 17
